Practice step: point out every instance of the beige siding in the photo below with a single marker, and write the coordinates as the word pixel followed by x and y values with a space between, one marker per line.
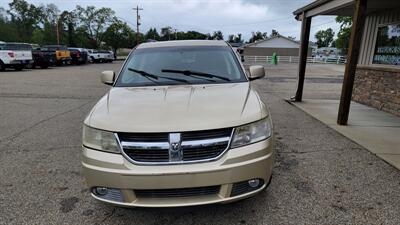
pixel 370 32
pixel 270 51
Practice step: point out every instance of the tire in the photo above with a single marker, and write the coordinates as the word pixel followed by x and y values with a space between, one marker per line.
pixel 2 67
pixel 18 67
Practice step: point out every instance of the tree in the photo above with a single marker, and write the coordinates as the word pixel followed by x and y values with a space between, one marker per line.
pixel 119 35
pixel 26 18
pixel 257 36
pixel 274 33
pixel 166 33
pixel 152 34
pixel 324 37
pixel 343 37
pixel 68 20
pixel 235 38
pixel 95 21
pixel 217 35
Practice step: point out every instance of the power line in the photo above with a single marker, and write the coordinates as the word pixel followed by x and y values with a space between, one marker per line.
pixel 317 25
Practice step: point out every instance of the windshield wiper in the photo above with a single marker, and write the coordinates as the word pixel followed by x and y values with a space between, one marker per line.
pixel 149 75
pixel 195 73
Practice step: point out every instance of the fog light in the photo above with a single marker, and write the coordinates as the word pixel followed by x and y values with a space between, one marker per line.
pixel 101 190
pixel 254 183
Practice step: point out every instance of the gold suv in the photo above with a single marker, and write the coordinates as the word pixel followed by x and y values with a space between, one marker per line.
pixel 180 126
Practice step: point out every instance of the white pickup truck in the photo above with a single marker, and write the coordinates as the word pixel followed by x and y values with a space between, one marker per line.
pixel 100 56
pixel 15 55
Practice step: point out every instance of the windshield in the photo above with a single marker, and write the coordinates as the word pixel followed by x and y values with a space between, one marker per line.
pixel 180 65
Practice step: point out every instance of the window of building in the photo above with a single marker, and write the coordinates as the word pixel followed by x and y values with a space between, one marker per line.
pixel 387 49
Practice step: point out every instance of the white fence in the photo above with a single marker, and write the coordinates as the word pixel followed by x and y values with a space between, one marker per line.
pixel 254 59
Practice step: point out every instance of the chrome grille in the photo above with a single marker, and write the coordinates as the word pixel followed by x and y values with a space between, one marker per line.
pixel 177 192
pixel 157 148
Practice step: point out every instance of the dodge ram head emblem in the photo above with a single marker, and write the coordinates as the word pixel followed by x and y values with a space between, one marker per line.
pixel 175 150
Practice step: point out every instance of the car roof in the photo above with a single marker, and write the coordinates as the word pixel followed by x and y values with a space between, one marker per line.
pixel 182 43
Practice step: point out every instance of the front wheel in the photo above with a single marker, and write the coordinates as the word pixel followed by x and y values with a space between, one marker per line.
pixel 2 67
pixel 19 67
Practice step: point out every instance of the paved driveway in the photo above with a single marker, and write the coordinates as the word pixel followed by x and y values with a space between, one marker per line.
pixel 320 177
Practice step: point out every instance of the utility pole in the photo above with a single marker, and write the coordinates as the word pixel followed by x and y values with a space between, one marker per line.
pixel 58 32
pixel 137 23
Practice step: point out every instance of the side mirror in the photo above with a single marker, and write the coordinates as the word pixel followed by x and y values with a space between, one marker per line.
pixel 107 77
pixel 256 72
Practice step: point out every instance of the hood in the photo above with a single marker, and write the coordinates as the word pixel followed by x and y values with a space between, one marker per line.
pixel 176 108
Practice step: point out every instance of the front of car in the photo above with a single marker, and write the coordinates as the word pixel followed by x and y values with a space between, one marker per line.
pixel 181 126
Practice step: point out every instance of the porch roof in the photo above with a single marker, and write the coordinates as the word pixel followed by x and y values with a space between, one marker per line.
pixel 342 7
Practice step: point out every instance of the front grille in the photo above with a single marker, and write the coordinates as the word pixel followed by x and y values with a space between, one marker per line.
pixel 194 146
pixel 177 192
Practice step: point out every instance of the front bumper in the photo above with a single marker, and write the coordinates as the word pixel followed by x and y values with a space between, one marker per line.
pixel 236 165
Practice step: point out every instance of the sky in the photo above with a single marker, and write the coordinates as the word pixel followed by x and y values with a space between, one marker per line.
pixel 206 16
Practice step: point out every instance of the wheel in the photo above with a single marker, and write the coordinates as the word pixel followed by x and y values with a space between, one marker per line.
pixel 18 67
pixel 2 67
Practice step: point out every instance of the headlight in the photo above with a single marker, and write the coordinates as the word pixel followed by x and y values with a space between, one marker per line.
pixel 251 133
pixel 99 140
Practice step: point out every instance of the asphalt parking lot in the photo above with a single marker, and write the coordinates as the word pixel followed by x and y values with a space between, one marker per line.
pixel 320 177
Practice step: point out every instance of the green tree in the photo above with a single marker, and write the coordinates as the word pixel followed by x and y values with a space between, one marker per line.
pixel 152 34
pixel 274 33
pixel 255 36
pixel 119 35
pixel 68 23
pixel 324 37
pixel 37 36
pixel 343 37
pixel 95 21
pixel 217 35
pixel 235 38
pixel 8 30
pixel 166 33
pixel 26 18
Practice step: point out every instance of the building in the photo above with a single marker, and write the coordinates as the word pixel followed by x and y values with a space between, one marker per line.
pixel 372 74
pixel 279 44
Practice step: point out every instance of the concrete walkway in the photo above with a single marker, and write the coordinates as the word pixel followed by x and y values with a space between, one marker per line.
pixel 377 131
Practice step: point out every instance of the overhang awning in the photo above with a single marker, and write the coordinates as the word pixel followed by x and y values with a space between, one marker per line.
pixel 342 7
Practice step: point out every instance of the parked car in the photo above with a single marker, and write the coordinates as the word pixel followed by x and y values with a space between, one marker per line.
pixel 180 126
pixel 78 55
pixel 106 56
pixel 101 56
pixel 63 55
pixel 15 55
pixel 42 58
pixel 93 56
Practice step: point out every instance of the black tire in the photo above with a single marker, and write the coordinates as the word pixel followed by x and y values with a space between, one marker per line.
pixel 2 67
pixel 18 67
